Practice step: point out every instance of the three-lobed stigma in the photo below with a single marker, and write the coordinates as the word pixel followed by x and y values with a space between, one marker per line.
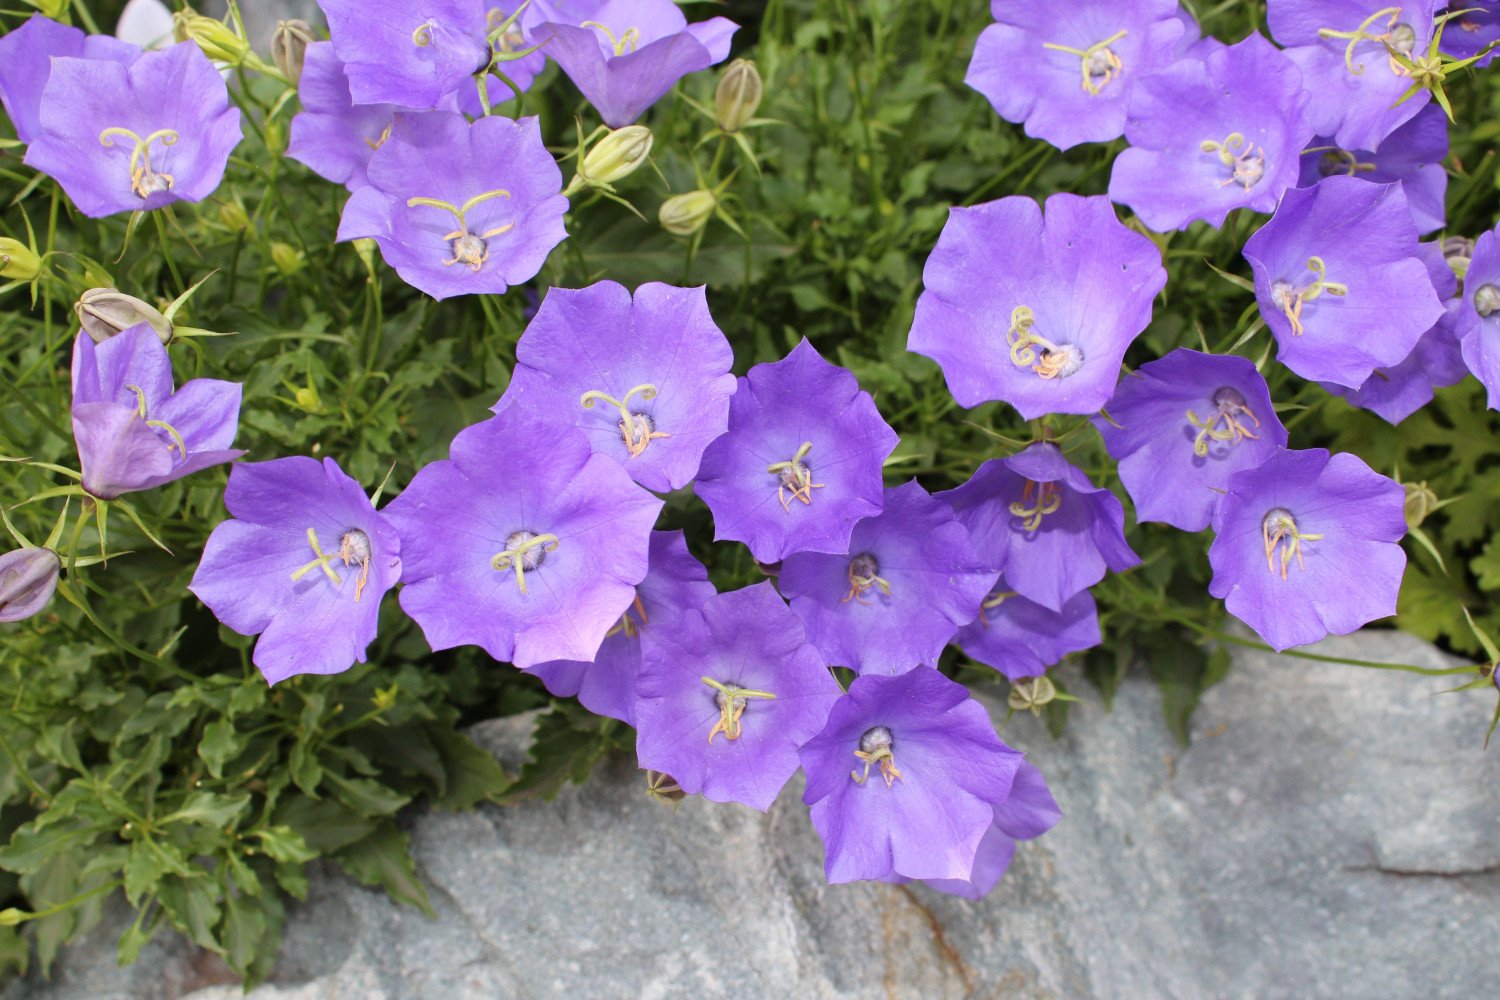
pixel 468 248
pixel 732 701
pixel 1245 160
pixel 145 180
pixel 1056 360
pixel 1290 299
pixel 637 429
pixel 1038 500
pixel 864 575
pixel 794 478
pixel 524 552
pixel 876 748
pixel 1224 422
pixel 1280 533
pixel 1098 63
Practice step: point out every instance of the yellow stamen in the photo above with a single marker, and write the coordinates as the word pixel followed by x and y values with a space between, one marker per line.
pixel 468 248
pixel 1037 501
pixel 634 444
pixel 627 41
pixel 1111 62
pixel 1360 34
pixel 794 478
pixel 1285 535
pixel 992 602
pixel 626 625
pixel 515 556
pixel 731 701
pixel 1233 431
pixel 381 139
pixel 1056 361
pixel 1292 299
pixel 885 759
pixel 144 181
pixel 350 558
pixel 862 577
pixel 321 562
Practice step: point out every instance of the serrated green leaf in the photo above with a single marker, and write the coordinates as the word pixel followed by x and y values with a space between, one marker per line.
pixel 383 859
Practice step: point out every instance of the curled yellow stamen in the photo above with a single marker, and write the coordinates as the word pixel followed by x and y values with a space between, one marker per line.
pixel 992 602
pixel 1096 60
pixel 381 139
pixel 1279 529
pixel 635 443
pixel 422 37
pixel 1037 501
pixel 1360 34
pixel 1291 300
pixel 468 248
pixel 881 756
pixel 143 180
pixel 1056 361
pixel 731 701
pixel 862 577
pixel 626 625
pixel 321 562
pixel 140 406
pixel 1233 431
pixel 514 557
pixel 627 41
pixel 794 478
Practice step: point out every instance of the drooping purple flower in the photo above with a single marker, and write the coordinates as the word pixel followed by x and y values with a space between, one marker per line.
pixel 1039 521
pixel 909 580
pixel 623 55
pixel 1209 137
pixel 28 579
pixel 727 693
pixel 132 429
pixel 408 54
pixel 524 542
pixel 134 138
pixel 905 779
pixel 675 583
pixel 1181 426
pixel 332 135
pixel 1307 544
pixel 303 562
pixel 1473 31
pixel 26 63
pixel 1479 320
pixel 460 208
pixel 1340 280
pixel 1021 639
pixel 647 379
pixel 1037 313
pixel 1411 155
pixel 1068 76
pixel 801 461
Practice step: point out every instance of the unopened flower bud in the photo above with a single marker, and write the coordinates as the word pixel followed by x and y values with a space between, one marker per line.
pixel 217 40
pixel 17 262
pixel 685 214
pixel 27 579
pixel 1486 300
pixel 617 155
pixel 233 215
pixel 104 312
pixel 286 258
pixel 1457 251
pixel 738 96
pixel 289 47
pixel 1420 501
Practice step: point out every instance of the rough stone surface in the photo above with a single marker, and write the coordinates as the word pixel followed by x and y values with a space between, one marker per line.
pixel 1332 832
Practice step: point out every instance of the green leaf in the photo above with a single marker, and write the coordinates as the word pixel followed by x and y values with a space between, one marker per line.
pixel 325 825
pixel 383 859
pixel 209 809
pixel 368 797
pixel 473 772
pixel 221 743
pixel 192 905
pixel 282 843
pixel 244 930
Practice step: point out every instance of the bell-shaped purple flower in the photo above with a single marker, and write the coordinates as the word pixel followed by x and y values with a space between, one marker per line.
pixel 908 581
pixel 304 563
pixel 1340 280
pixel 1038 520
pixel 1072 291
pixel 801 461
pixel 28 578
pixel 460 208
pixel 1181 426
pixel 1412 156
pixel 727 693
pixel 26 55
pixel 1473 31
pixel 1308 544
pixel 331 134
pixel 524 542
pixel 1021 639
pixel 1209 137
pixel 132 429
pixel 646 378
pixel 408 54
pixel 1479 321
pixel 134 138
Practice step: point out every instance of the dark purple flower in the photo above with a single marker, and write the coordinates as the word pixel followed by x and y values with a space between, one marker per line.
pixel 1021 639
pixel 1411 155
pixel 1181 425
pixel 1039 521
pixel 134 138
pixel 1068 75
pixel 906 778
pixel 26 62
pixel 1073 291
pixel 647 379
pixel 1209 137
pixel 523 542
pixel 333 135
pixel 909 579
pixel 458 207
pixel 408 54
pixel 1340 280
pixel 801 462
pixel 304 562
pixel 727 694
pixel 28 578
pixel 1477 28
pixel 1307 544
pixel 674 584
pixel 1479 321
pixel 132 429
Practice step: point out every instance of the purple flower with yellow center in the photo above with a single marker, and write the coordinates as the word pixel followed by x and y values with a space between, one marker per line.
pixel 1021 638
pixel 906 778
pixel 801 461
pixel 1039 521
pixel 1308 544
pixel 1340 280
pixel 674 584
pixel 409 54
pixel 646 378
pixel 908 581
pixel 303 562
pixel 523 542
pixel 28 579
pixel 1212 136
pixel 726 695
pixel 1069 77
pixel 1473 31
pixel 1479 321
pixel 1181 426
pixel 26 62
pixel 1035 312
pixel 457 207
pixel 332 135
pixel 133 430
pixel 135 138
pixel 1412 156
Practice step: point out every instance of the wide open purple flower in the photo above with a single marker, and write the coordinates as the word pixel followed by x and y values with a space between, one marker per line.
pixel 1021 639
pixel 801 462
pixel 134 138
pixel 1412 155
pixel 524 542
pixel 26 63
pixel 1480 318
pixel 909 580
pixel 1340 280
pixel 674 584
pixel 1473 31
pixel 304 562
pixel 458 207
pixel 727 694
pixel 1209 137
pixel 905 778
pixel 132 429
pixel 647 379
pixel 1037 313
pixel 331 134
pixel 623 55
pixel 1068 74
pixel 28 579
pixel 408 54
pixel 1308 544
pixel 1181 426
pixel 1039 521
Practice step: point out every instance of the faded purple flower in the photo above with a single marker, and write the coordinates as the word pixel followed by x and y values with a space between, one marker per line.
pixel 332 135
pixel 28 578
pixel 1477 28
pixel 1021 639
pixel 1411 155
pixel 408 54
pixel 26 62
pixel 1479 321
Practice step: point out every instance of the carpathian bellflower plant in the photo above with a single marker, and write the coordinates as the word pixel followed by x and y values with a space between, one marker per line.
pixel 1412 156
pixel 1479 321
pixel 1021 638
pixel 26 55
pixel 412 55
pixel 332 135
pixel 28 579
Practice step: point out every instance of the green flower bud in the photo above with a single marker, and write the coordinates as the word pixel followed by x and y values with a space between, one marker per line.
pixel 233 215
pixel 17 262
pixel 1030 694
pixel 738 96
pixel 617 155
pixel 1420 501
pixel 286 258
pixel 289 47
pixel 54 9
pixel 217 40
pixel 685 214
pixel 104 312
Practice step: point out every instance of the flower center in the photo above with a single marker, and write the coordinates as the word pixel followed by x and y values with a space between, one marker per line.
pixel 625 42
pixel 1056 360
pixel 1279 530
pixel 524 551
pixel 161 425
pixel 731 701
pixel 1037 501
pixel 993 601
pixel 1342 161
pixel 380 140
pixel 1290 299
pixel 875 748
pixel 1395 36
pixel 1486 300
pixel 627 624
pixel 144 181
pixel 468 248
pixel 637 429
pixel 1098 62
pixel 794 478
pixel 354 550
pixel 864 572
pixel 1245 161
pixel 1224 422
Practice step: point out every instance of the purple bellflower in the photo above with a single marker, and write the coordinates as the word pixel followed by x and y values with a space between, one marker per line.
pixel 26 62
pixel 408 54
pixel 1181 426
pixel 132 429
pixel 1411 155
pixel 1021 639
pixel 647 379
pixel 1479 320
pixel 458 207
pixel 331 134
pixel 304 562
pixel 1473 31
pixel 801 462
pixel 909 580
pixel 1035 312
pixel 28 579
pixel 524 542
pixel 727 694
pixel 1193 43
